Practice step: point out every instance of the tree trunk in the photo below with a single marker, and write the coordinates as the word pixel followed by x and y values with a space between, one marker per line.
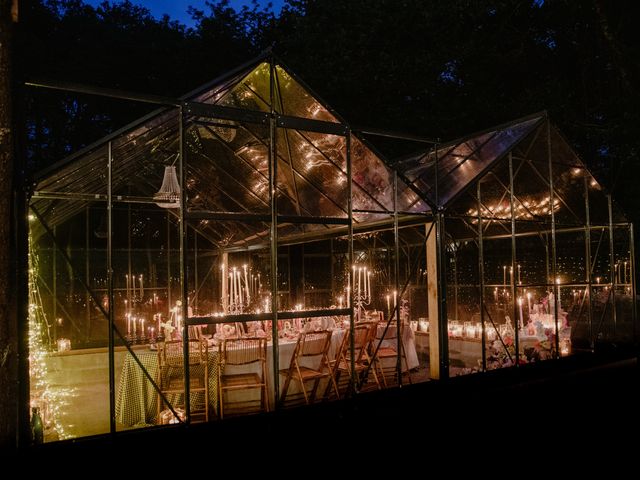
pixel 8 325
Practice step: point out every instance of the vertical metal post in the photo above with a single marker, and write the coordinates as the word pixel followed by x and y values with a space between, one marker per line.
pixel 612 267
pixel 168 260
pixel 514 298
pixel 441 264
pixel 54 280
pixel 587 242
pixel 350 261
pixel 195 270
pixel 112 381
pixel 555 287
pixel 455 281
pixel 396 279
pixel 183 281
pixel 632 260
pixel 87 297
pixel 442 297
pixel 481 278
pixel 129 270
pixel 273 201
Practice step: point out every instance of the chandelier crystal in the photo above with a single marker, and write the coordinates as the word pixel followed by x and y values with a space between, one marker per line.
pixel 169 194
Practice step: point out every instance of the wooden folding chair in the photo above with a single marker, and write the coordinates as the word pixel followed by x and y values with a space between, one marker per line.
pixel 171 373
pixel 310 345
pixel 389 352
pixel 243 352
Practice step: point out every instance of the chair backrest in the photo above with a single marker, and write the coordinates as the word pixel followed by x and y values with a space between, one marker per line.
pixel 243 351
pixel 311 344
pixel 195 332
pixel 171 354
pixel 391 331
pixel 361 339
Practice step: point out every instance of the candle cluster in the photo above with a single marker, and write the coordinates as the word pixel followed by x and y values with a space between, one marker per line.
pixel 622 271
pixel 240 289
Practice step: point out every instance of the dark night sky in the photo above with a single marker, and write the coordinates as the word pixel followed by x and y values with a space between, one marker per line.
pixel 177 9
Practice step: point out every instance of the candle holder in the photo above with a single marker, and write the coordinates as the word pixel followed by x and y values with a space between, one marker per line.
pixel 64 344
pixel 362 290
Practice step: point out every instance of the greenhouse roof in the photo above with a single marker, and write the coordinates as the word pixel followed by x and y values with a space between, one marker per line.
pixel 228 162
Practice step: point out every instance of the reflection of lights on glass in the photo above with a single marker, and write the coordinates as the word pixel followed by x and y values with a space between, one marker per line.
pixel 576 171
pixel 558 280
pixel 597 279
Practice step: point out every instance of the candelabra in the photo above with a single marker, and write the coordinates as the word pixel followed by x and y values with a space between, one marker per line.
pixel 361 289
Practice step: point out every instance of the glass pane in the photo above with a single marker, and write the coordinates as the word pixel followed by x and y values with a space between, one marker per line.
pixel 148 295
pixel 568 187
pixel 78 179
pixel 227 167
pixel 463 300
pixel 623 280
pixel 499 322
pixel 68 325
pixel 311 178
pixel 295 100
pixel 252 92
pixel 462 163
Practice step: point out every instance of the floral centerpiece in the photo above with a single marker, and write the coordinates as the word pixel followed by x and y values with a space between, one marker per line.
pixel 168 329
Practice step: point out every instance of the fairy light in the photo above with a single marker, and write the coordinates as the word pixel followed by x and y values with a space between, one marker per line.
pixel 50 400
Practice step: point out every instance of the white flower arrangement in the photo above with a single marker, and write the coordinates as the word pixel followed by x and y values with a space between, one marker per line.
pixel 168 329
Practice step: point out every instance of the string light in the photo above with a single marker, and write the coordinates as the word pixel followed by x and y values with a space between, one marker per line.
pixel 51 401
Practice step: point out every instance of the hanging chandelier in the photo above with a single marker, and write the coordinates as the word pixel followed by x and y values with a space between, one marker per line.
pixel 169 194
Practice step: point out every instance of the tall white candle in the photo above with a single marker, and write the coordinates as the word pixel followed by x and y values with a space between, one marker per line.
pixel 128 289
pixel 369 283
pixel 246 284
pixel 128 324
pixel 625 272
pixel 529 301
pixel 353 282
pixel 134 325
pixel 142 326
pixel 520 308
pixel 234 297
pixel 504 275
pixel 395 302
pixel 141 287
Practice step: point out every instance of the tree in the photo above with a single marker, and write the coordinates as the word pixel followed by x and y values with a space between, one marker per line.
pixel 8 325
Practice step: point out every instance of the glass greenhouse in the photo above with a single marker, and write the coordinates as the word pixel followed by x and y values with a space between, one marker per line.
pixel 243 248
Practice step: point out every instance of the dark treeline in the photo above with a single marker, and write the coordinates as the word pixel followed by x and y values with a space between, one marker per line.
pixel 428 67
